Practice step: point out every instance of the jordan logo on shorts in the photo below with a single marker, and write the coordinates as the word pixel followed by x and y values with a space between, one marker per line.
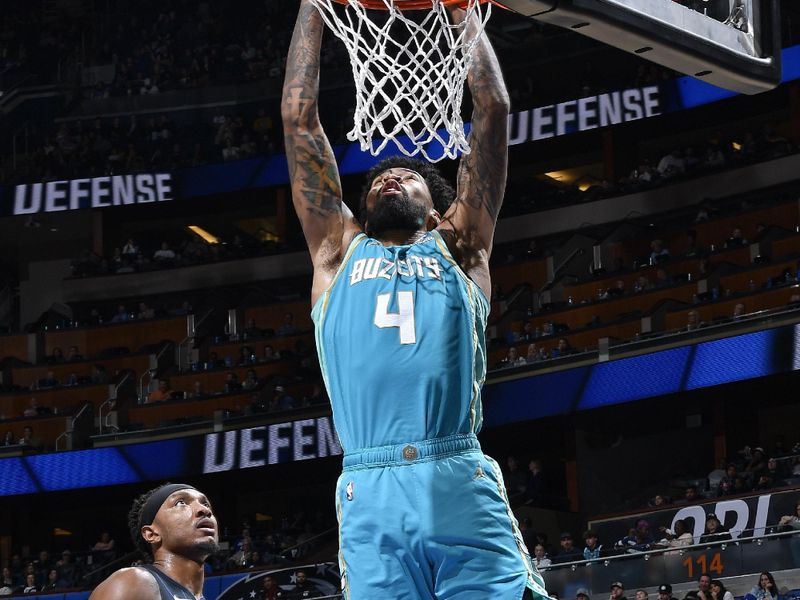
pixel 479 472
pixel 349 490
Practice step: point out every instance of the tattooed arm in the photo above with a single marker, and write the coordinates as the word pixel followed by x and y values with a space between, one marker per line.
pixel 328 224
pixel 468 226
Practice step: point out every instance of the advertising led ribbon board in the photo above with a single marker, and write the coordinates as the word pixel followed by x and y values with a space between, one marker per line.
pixel 690 367
pixel 291 441
pixel 562 118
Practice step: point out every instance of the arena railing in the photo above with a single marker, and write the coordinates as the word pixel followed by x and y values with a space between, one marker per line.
pixel 752 551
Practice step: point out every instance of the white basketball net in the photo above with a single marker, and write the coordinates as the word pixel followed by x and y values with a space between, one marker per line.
pixel 409 75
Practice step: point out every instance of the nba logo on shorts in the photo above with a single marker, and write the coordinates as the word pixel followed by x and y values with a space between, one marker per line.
pixel 349 490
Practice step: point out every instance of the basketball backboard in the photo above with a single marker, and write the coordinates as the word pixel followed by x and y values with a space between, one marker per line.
pixel 733 44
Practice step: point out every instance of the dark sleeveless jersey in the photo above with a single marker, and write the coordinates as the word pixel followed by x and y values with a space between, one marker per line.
pixel 169 588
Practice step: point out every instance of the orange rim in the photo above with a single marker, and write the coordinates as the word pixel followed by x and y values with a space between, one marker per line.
pixel 409 4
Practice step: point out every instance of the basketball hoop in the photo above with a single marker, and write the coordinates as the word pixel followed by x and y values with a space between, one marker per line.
pixel 409 73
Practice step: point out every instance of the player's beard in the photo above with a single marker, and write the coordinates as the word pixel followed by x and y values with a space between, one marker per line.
pixel 395 211
pixel 204 549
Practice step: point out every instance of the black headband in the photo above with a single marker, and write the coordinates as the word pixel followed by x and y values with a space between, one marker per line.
pixel 154 502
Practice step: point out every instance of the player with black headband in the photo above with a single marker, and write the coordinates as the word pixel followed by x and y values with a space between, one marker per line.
pixel 175 526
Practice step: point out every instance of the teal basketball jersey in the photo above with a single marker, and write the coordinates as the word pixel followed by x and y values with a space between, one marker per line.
pixel 400 335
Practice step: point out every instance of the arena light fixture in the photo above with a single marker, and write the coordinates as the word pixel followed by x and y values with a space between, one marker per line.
pixel 209 238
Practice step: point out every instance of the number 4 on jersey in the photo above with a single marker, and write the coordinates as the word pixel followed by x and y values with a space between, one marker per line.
pixel 403 318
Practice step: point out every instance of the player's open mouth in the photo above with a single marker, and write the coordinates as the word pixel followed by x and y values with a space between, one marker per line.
pixel 391 187
pixel 206 525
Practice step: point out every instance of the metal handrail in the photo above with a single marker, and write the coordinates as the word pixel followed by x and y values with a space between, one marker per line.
pixel 311 539
pixel 150 372
pixel 646 554
pixel 108 402
pixel 161 352
pixel 72 424
pixel 191 337
pixel 124 559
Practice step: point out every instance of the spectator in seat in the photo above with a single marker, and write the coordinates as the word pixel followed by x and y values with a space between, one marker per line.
pixel 67 569
pixel 514 478
pixel 30 584
pixel 663 278
pixel 618 289
pixel 658 252
pixel 29 440
pixel 562 348
pixel 736 240
pixel 527 333
pixel 718 591
pixel 703 587
pixel 270 589
pixel 251 331
pixel 232 383
pixel 617 591
pixel 678 536
pixel 197 390
pixel 160 394
pixel 725 485
pixel 582 594
pixel 48 381
pixel 568 552
pixel 73 355
pixel 533 354
pixel 251 381
pixel 593 549
pixel 104 543
pixel 33 408
pixel 145 312
pixel 714 532
pixel 642 284
pixel 512 359
pixel 664 592
pixel 7 579
pixel 756 465
pixel 304 588
pixel 164 254
pixel 130 249
pixel 121 315
pixel 693 320
pixel 671 164
pixel 659 500
pixel 765 589
pixel 43 566
pixel 766 482
pixel 638 539
pixel 269 354
pixel 540 559
pixel 282 400
pixel 536 491
pixel 791 524
pixel 318 396
pixel 99 375
pixel 715 476
pixel 53 582
pixel 739 486
pixel 57 356
pixel 288 327
pixel 8 438
pixel 246 355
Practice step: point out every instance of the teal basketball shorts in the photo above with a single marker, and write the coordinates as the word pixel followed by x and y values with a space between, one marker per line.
pixel 430 521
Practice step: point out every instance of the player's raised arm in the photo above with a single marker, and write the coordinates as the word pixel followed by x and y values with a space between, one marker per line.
pixel 316 189
pixel 481 180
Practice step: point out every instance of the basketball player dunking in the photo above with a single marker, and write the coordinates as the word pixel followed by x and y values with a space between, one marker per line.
pixel 175 526
pixel 400 307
